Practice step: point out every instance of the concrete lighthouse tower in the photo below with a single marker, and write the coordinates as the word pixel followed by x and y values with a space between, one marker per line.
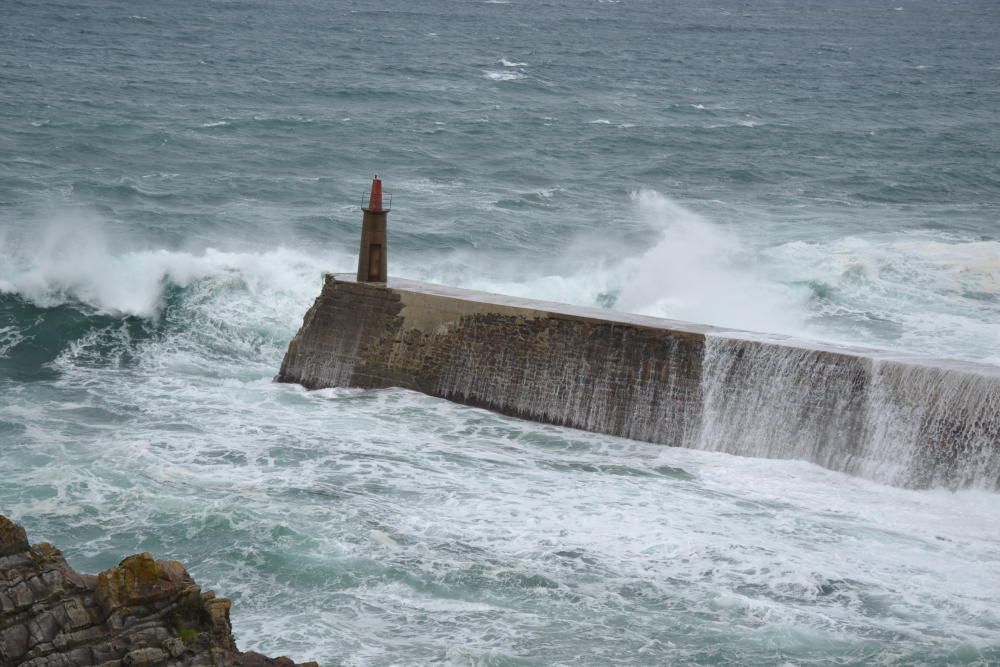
pixel 372 265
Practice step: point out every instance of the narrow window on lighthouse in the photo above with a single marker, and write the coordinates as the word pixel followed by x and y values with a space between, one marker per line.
pixel 375 263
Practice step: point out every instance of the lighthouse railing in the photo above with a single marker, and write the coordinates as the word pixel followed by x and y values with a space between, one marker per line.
pixel 386 199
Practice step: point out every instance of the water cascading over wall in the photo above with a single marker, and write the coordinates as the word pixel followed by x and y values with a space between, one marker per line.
pixel 901 422
pixel 892 418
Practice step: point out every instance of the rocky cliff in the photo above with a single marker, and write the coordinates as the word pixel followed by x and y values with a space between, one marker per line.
pixel 142 612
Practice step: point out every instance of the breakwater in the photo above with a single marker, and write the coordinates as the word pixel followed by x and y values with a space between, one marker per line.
pixel 891 417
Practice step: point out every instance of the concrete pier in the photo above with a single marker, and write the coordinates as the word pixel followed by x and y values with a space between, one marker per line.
pixel 892 417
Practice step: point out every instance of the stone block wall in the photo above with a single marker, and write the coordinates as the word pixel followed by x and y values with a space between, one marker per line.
pixel 572 370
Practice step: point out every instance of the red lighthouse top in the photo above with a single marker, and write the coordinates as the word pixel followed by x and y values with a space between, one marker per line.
pixel 375 198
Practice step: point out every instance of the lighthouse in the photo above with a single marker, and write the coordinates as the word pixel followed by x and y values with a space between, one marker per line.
pixel 372 266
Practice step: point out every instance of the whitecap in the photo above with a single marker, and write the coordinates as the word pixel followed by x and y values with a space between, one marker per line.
pixel 938 292
pixel 283 119
pixel 74 260
pixel 383 539
pixel 218 123
pixel 9 337
pixel 600 121
pixel 509 63
pixel 503 76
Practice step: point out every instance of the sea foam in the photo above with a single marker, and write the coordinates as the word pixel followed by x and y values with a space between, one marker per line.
pixel 504 75
pixel 73 260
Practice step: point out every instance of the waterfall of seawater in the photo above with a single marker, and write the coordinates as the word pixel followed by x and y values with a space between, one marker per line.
pixel 781 402
pixel 943 423
pixel 893 421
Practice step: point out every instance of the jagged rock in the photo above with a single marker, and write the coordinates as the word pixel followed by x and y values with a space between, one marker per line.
pixel 12 538
pixel 141 613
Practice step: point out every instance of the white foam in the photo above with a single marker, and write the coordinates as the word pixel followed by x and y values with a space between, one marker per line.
pixel 9 338
pixel 73 260
pixel 509 63
pixel 933 295
pixel 700 272
pixel 919 293
pixel 538 533
pixel 383 539
pixel 504 75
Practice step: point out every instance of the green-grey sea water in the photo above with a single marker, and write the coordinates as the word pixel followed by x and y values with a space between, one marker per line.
pixel 174 177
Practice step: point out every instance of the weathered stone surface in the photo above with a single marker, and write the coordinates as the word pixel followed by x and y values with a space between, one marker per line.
pixel 141 580
pixel 609 377
pixel 140 613
pixel 13 539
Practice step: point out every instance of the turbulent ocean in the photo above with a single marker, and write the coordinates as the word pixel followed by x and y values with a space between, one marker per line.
pixel 176 177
